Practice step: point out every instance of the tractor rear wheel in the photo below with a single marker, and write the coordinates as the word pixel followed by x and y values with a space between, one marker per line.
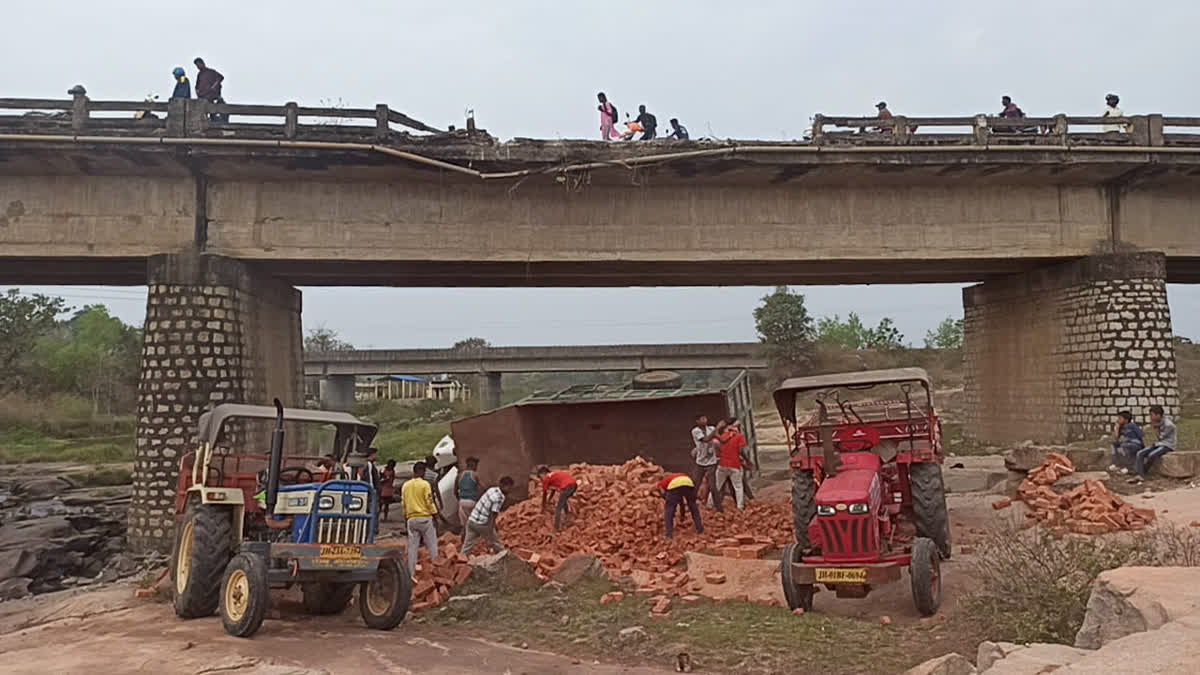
pixel 929 505
pixel 203 545
pixel 384 601
pixel 245 595
pixel 804 506
pixel 798 596
pixel 925 571
pixel 322 597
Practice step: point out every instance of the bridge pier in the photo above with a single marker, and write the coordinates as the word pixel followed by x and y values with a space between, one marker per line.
pixel 490 391
pixel 337 392
pixel 1051 355
pixel 216 331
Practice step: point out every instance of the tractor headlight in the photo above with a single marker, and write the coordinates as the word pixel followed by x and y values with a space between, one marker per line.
pixel 858 509
pixel 823 510
pixel 326 503
pixel 356 503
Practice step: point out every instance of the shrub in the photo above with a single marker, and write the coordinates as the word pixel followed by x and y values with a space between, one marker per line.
pixel 1034 585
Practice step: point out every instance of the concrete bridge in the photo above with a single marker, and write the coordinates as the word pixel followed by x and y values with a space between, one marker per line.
pixel 338 369
pixel 1071 232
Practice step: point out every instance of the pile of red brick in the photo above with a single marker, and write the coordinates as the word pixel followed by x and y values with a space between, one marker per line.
pixel 617 516
pixel 436 578
pixel 1088 509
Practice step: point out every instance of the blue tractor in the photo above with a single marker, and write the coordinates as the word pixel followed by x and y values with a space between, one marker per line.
pixel 247 523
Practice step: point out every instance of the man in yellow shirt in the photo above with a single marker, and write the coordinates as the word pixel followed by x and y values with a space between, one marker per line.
pixel 417 498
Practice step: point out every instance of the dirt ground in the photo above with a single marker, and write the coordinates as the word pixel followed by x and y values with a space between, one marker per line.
pixel 108 631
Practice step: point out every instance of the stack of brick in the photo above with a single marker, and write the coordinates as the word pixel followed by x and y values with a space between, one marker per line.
pixel 436 578
pixel 617 517
pixel 1088 509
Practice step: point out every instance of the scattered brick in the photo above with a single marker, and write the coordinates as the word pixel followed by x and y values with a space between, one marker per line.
pixel 715 577
pixel 885 620
pixel 662 605
pixel 798 611
pixel 144 593
pixel 690 599
pixel 1089 508
pixel 609 598
pixel 1002 504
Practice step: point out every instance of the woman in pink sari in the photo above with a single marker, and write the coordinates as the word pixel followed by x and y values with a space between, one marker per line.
pixel 608 119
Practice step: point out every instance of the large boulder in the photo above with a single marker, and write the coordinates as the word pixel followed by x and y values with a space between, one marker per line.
pixel 1173 649
pixel 972 480
pixel 505 570
pixel 1028 457
pixel 950 664
pixel 1006 658
pixel 14 588
pixel 579 567
pixel 1178 464
pixel 1130 600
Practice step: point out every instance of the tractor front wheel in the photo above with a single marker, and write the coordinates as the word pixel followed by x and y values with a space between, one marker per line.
pixel 929 505
pixel 384 601
pixel 203 544
pixel 245 595
pixel 804 506
pixel 925 571
pixel 798 596
pixel 322 597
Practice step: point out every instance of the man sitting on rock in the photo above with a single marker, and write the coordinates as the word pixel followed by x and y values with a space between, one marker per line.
pixel 1167 435
pixel 1127 442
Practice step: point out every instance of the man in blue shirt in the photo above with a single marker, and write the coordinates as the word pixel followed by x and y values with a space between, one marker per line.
pixel 1127 442
pixel 466 490
pixel 183 88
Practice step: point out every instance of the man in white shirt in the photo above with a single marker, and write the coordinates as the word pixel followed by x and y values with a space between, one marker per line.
pixel 1111 110
pixel 704 452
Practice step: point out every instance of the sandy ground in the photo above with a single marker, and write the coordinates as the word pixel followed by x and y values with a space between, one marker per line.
pixel 108 631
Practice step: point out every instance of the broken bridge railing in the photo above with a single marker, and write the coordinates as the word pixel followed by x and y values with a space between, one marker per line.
pixel 984 130
pixel 196 117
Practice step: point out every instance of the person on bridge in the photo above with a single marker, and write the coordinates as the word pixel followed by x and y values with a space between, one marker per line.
pixel 1127 442
pixel 1111 110
pixel 183 88
pixel 564 485
pixel 417 499
pixel 608 119
pixel 1011 110
pixel 208 86
pixel 676 489
pixel 883 114
pixel 678 131
pixel 649 124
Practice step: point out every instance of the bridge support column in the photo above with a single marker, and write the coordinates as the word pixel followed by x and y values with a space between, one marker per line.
pixel 216 331
pixel 1053 354
pixel 337 392
pixel 489 391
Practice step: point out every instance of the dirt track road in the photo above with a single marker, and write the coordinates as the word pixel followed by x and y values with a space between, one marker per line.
pixel 107 631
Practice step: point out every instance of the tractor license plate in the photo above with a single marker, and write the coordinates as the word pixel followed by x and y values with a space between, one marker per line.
pixel 341 552
pixel 842 575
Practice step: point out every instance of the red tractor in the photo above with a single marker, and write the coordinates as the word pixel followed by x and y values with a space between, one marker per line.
pixel 867 492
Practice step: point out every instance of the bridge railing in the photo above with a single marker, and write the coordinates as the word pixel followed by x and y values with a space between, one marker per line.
pixel 195 117
pixel 983 130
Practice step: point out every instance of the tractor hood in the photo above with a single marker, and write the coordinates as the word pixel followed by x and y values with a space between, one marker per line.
pixel 856 481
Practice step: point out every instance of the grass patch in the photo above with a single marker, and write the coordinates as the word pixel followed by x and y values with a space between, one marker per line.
pixel 409 430
pixel 103 476
pixel 1034 586
pixel 725 637
pixel 21 445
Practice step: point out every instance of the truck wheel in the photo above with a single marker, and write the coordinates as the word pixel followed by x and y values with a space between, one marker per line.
pixel 384 601
pixel 322 597
pixel 804 506
pixel 929 505
pixel 798 596
pixel 203 545
pixel 925 570
pixel 245 595
pixel 657 379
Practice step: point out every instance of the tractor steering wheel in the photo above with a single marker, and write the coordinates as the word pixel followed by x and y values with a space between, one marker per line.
pixel 296 472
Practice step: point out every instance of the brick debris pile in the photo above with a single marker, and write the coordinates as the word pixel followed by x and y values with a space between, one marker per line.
pixel 617 517
pixel 1089 508
pixel 436 578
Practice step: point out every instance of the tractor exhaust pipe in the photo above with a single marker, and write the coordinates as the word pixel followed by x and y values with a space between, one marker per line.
pixel 276 459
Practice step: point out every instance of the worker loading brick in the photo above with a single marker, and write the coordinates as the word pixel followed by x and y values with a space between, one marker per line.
pixel 558 483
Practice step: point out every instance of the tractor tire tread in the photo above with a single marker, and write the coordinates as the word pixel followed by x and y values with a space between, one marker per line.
pixel 400 602
pixel 212 547
pixel 259 600
pixel 930 514
pixel 925 556
pixel 804 506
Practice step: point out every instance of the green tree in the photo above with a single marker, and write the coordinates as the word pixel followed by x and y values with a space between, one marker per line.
pixel 785 329
pixel 471 344
pixel 322 339
pixel 93 354
pixel 885 335
pixel 848 334
pixel 947 335
pixel 24 319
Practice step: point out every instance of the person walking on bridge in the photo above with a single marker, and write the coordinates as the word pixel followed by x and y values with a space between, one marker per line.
pixel 183 88
pixel 608 119
pixel 678 131
pixel 208 86
pixel 649 124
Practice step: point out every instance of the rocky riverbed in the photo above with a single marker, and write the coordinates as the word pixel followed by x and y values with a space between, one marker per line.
pixel 57 531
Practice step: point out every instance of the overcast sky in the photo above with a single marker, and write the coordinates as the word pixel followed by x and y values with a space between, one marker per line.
pixel 756 69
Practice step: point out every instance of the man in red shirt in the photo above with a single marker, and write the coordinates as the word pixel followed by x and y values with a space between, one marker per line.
pixel 676 488
pixel 561 482
pixel 729 462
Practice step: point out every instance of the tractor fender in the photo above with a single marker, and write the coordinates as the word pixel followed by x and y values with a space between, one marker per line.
pixel 233 498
